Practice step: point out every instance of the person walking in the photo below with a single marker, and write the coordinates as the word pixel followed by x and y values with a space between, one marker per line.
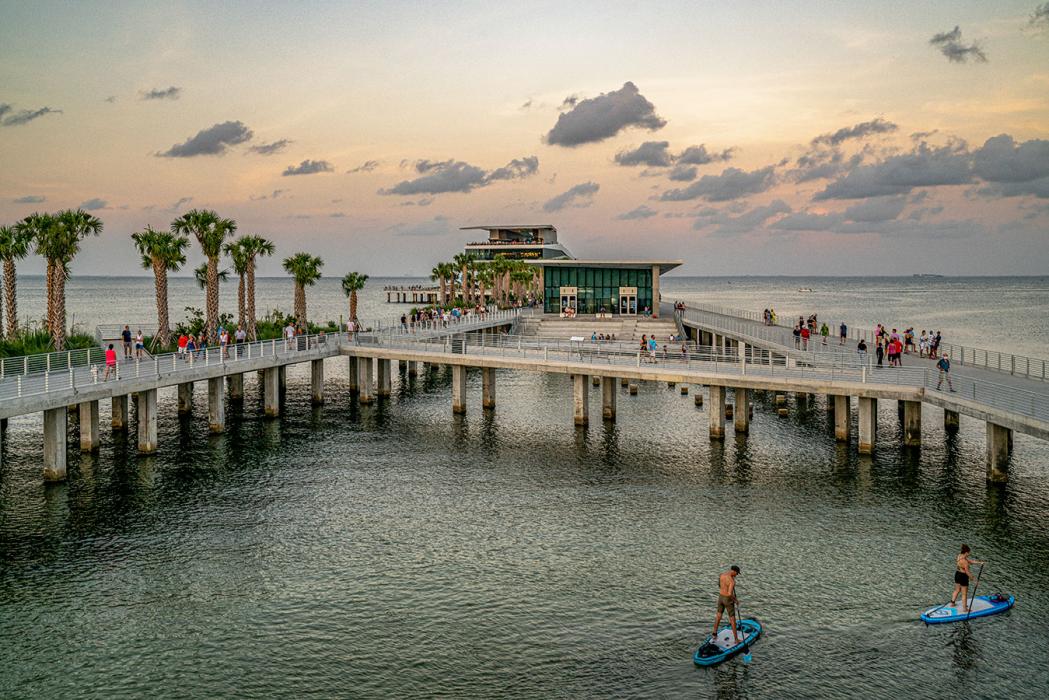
pixel 861 350
pixel 140 344
pixel 824 333
pixel 797 336
pixel 944 365
pixel 727 601
pixel 183 340
pixel 191 346
pixel 879 350
pixel 126 336
pixel 805 333
pixel 111 363
pixel 843 333
pixel 224 343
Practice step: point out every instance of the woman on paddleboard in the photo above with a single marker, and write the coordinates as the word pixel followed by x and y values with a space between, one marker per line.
pixel 961 577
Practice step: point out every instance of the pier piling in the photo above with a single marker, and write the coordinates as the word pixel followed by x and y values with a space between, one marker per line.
pixel 868 424
pixel 741 419
pixel 185 398
pixel 119 418
pixel 365 379
pixel 317 382
pixel 912 423
pixel 580 399
pixel 717 412
pixel 608 398
pixel 270 392
pixel 55 429
pixel 842 417
pixel 147 421
pixel 90 439
pixel 217 405
pixel 458 389
pixel 488 387
pixel 998 439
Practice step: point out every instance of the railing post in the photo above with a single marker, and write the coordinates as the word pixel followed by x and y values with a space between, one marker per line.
pixel 19 381
pixel 72 379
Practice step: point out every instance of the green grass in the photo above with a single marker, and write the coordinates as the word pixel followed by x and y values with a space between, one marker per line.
pixel 36 342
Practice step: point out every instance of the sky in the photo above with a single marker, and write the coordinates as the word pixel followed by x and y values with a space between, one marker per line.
pixel 844 138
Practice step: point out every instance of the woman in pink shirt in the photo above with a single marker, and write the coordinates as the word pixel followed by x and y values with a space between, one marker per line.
pixel 111 363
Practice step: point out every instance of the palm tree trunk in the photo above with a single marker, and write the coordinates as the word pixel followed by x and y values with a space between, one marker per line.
pixel 50 291
pixel 251 299
pixel 160 278
pixel 212 298
pixel 241 310
pixel 59 331
pixel 300 305
pixel 481 301
pixel 465 281
pixel 11 292
pixel 353 305
pixel 440 280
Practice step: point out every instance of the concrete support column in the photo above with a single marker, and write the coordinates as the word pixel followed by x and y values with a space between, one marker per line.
pixel 458 389
pixel 868 419
pixel 413 368
pixel 365 379
pixel 802 399
pixel 147 421
pixel 842 417
pixel 717 412
pixel 55 427
pixel 998 439
pixel 580 399
pixel 90 439
pixel 217 404
pixel 912 423
pixel 951 421
pixel 608 398
pixel 271 392
pixel 282 374
pixel 185 398
pixel 488 387
pixel 236 386
pixel 741 415
pixel 354 374
pixel 119 420
pixel 830 403
pixel 385 378
pixel 317 382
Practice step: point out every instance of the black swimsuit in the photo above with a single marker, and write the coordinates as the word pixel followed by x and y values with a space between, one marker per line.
pixel 961 578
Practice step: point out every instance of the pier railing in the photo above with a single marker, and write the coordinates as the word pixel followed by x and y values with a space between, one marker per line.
pixel 739 321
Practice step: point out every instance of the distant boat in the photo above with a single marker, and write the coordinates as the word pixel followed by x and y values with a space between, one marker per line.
pixel 927 275
pixel 804 289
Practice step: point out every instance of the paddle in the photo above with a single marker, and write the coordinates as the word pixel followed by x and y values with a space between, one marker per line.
pixel 739 624
pixel 976 585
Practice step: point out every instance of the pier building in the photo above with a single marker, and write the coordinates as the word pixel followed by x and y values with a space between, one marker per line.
pixel 528 242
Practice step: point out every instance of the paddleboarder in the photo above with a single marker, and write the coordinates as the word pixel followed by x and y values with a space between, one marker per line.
pixel 727 601
pixel 961 577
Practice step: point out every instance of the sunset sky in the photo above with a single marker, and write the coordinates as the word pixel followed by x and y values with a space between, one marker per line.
pixel 745 137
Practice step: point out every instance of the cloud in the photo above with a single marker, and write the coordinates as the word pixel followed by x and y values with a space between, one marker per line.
pixel 808 221
pixel 877 209
pixel 641 212
pixel 1040 17
pixel 1001 159
pixel 438 177
pixel 30 199
pixel 580 195
pixel 437 226
pixel 213 141
pixel 111 99
pixel 94 204
pixel 171 93
pixel 950 45
pixel 336 215
pixel 4 109
pixel 24 116
pixel 745 222
pixel 516 169
pixel 178 205
pixel 308 167
pixel 274 195
pixel 365 167
pixel 568 103
pixel 732 183
pixel 857 131
pixel 683 173
pixel 598 118
pixel 924 166
pixel 699 155
pixel 269 149
pixel 654 154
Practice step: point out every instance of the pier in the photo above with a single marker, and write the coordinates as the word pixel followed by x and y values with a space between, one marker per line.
pixel 733 357
pixel 399 294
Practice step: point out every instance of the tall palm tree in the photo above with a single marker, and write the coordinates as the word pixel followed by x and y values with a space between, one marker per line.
pixel 484 275
pixel 239 257
pixel 210 231
pixel 58 241
pixel 437 276
pixel 463 261
pixel 500 269
pixel 447 271
pixel 200 274
pixel 352 283
pixel 14 245
pixel 305 269
pixel 253 247
pixel 163 252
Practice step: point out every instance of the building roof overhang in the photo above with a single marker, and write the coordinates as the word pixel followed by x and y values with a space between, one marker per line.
pixel 665 266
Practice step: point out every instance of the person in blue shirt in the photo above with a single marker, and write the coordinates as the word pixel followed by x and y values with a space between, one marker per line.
pixel 944 365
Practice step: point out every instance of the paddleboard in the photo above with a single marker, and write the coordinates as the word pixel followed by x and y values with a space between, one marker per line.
pixel 716 649
pixel 982 606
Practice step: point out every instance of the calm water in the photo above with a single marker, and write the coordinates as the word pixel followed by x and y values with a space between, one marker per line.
pixel 398 551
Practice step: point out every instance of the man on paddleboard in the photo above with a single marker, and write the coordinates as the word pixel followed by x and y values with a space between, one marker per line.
pixel 961 577
pixel 727 601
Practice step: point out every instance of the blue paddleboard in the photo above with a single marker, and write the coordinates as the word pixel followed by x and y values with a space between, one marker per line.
pixel 982 606
pixel 716 649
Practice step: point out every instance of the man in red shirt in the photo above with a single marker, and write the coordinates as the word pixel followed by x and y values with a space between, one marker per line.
pixel 804 337
pixel 183 340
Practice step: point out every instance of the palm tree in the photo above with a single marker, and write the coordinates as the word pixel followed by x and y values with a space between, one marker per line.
pixel 305 269
pixel 253 247
pixel 201 275
pixel 463 261
pixel 14 245
pixel 163 252
pixel 58 241
pixel 236 253
pixel 484 275
pixel 210 231
pixel 437 276
pixel 447 272
pixel 352 283
pixel 501 267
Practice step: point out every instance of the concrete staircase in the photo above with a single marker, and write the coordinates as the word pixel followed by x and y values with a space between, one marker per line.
pixel 623 327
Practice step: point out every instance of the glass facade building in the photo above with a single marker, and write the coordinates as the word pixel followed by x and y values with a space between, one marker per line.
pixel 596 289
